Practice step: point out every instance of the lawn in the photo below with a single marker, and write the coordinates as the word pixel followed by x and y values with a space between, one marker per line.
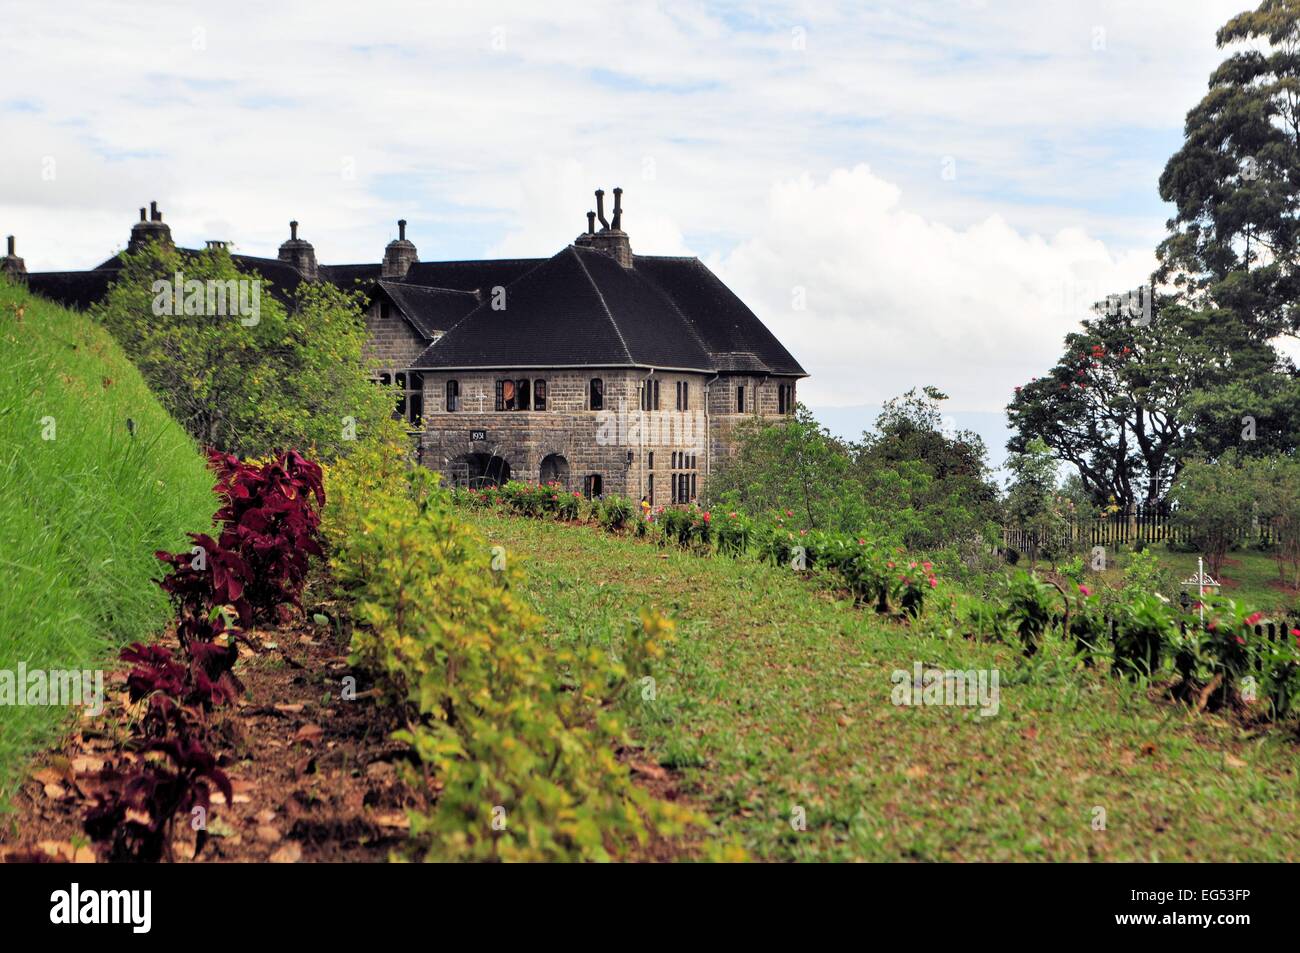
pixel 94 476
pixel 776 698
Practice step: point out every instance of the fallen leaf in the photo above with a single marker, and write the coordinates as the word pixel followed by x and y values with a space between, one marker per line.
pixel 309 734
pixel 268 834
pixel 293 709
pixel 290 853
pixel 55 791
pixel 397 819
pixel 1233 762
pixel 649 771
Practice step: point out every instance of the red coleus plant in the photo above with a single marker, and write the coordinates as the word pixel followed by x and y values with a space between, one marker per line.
pixel 140 808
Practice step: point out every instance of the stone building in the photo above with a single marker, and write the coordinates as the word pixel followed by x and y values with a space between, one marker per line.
pixel 596 368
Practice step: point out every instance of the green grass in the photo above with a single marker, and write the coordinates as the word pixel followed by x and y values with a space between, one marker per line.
pixel 776 695
pixel 80 514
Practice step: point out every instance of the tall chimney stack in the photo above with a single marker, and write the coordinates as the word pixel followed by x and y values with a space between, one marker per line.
pixel 150 228
pixel 11 264
pixel 299 253
pixel 399 256
pixel 611 239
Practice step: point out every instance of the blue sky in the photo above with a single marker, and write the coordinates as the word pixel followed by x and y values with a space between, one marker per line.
pixel 945 185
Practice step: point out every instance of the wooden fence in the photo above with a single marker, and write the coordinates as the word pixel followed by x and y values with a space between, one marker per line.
pixel 1147 524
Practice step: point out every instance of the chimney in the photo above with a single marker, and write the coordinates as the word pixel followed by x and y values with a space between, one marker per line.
pixel 150 228
pixel 611 239
pixel 299 253
pixel 399 256
pixel 12 265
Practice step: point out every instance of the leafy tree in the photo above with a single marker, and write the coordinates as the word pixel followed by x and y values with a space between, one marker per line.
pixel 250 377
pixel 1216 503
pixel 1033 503
pixel 1127 402
pixel 1235 237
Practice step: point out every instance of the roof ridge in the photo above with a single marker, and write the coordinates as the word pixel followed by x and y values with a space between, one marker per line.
pixel 603 303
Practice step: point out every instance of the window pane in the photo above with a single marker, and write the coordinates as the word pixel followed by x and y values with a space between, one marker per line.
pixel 539 395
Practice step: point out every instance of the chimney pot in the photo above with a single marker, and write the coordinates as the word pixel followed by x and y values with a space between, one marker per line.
pixel 591 223
pixel 600 207
pixel 293 231
pixel 142 211
pixel 11 246
pixel 154 214
pixel 401 229
pixel 618 207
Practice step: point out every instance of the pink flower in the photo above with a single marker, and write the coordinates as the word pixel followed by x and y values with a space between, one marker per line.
pixel 862 542
pixel 1240 640
pixel 707 517
pixel 933 582
pixel 1085 591
pixel 890 564
pixel 1254 617
pixel 789 512
pixel 926 566
pixel 731 516
pixel 911 565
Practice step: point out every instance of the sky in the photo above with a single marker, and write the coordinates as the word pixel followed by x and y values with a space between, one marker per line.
pixel 906 192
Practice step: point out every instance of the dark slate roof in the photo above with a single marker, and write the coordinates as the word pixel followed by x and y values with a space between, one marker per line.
pixel 430 311
pixel 72 289
pixel 346 276
pixel 733 334
pixel 582 308
pixel 481 276
pixel 578 309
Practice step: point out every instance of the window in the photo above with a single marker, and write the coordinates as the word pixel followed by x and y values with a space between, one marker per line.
pixel 597 394
pixel 650 480
pixel 785 399
pixel 539 394
pixel 592 486
pixel 683 480
pixel 453 396
pixel 683 395
pixel 650 394
pixel 410 402
pixel 385 310
pixel 740 399
pixel 512 395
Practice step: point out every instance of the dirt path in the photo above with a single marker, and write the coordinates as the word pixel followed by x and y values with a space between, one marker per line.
pixel 315 777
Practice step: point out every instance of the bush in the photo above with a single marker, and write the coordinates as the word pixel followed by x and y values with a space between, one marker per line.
pixel 1030 607
pixel 250 385
pixel 615 512
pixel 516 740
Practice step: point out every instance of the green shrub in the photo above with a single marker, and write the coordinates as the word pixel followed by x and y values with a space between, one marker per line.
pixel 1030 607
pixel 516 739
pixel 616 512
pixel 249 385
pixel 1144 632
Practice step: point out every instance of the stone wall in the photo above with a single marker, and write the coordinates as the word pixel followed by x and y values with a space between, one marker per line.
pixel 391 341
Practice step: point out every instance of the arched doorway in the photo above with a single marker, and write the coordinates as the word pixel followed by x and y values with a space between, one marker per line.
pixel 554 469
pixel 478 470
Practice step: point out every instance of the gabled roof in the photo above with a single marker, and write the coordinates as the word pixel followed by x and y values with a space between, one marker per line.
pixel 431 311
pixel 582 308
pixel 733 334
pixel 579 308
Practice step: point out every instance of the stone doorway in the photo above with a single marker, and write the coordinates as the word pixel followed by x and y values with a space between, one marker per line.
pixel 554 469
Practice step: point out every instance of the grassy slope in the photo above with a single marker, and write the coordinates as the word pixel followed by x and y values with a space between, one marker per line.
pixel 80 515
pixel 777 695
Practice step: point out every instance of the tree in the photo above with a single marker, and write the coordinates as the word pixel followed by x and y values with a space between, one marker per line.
pixel 1216 502
pixel 1033 503
pixel 1235 237
pixel 1128 401
pixel 241 370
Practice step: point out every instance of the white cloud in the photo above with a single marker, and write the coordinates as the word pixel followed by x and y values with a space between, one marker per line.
pixel 894 300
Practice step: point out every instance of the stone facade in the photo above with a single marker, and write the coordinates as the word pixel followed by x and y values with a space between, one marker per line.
pixel 634 452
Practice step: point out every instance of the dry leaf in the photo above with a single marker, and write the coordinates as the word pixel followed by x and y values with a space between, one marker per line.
pixel 293 709
pixel 309 734
pixel 268 834
pixel 397 819
pixel 1233 762
pixel 290 853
